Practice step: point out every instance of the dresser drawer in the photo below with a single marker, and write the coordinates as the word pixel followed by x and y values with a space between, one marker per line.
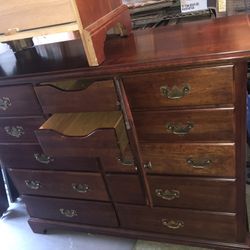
pixel 185 126
pixel 60 184
pixel 126 188
pixel 92 213
pixel 31 157
pixel 201 86
pixel 18 100
pixel 92 134
pixel 196 159
pixel 19 129
pixel 194 193
pixel 77 96
pixel 181 222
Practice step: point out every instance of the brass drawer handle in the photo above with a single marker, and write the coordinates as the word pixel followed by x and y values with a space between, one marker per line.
pixel 199 164
pixel 5 103
pixel 70 213
pixel 127 163
pixel 179 129
pixel 14 131
pixel 168 195
pixel 81 188
pixel 175 92
pixel 42 158
pixel 35 185
pixel 172 224
pixel 148 165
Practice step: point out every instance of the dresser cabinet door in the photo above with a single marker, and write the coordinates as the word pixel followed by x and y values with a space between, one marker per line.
pixel 185 125
pixel 189 87
pixel 18 100
pixel 31 156
pixel 180 222
pixel 89 186
pixel 75 211
pixel 17 130
pixel 197 159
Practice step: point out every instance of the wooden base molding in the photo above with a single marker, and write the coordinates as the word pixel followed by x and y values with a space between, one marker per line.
pixel 42 226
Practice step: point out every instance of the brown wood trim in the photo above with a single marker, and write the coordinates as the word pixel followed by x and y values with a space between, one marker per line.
pixel 240 78
pixel 132 135
pixel 41 226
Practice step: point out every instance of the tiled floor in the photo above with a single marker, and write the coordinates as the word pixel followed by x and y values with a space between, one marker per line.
pixel 15 234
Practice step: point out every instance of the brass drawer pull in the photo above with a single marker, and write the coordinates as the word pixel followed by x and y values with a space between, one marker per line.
pixel 127 163
pixel 168 195
pixel 148 165
pixel 175 92
pixel 5 103
pixel 42 158
pixel 70 213
pixel 179 129
pixel 200 164
pixel 81 188
pixel 14 131
pixel 35 185
pixel 172 224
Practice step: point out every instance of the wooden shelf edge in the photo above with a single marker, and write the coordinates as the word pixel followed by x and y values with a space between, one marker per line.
pixel 40 32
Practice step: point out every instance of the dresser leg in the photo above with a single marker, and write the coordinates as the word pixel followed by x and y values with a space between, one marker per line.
pixel 37 227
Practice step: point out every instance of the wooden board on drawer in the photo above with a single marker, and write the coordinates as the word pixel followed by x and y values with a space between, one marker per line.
pixel 198 224
pixel 194 193
pixel 201 86
pixel 195 159
pixel 185 125
pixel 18 100
pixel 19 129
pixel 28 14
pixel 91 134
pixel 89 186
pixel 91 213
pixel 32 157
pixel 77 96
pixel 126 188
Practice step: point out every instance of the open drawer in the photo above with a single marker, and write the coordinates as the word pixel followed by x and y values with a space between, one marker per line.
pixel 94 134
pixel 77 95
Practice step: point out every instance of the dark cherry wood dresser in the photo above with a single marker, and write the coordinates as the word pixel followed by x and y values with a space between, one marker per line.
pixel 149 145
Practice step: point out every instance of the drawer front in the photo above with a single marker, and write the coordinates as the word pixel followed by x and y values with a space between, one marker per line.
pixel 18 100
pixel 213 226
pixel 30 15
pixel 99 96
pixel 32 157
pixel 185 126
pixel 194 193
pixel 60 184
pixel 201 86
pixel 19 129
pixel 91 213
pixel 101 142
pixel 126 188
pixel 196 159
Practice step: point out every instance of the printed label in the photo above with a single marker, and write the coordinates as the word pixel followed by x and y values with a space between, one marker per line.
pixel 193 5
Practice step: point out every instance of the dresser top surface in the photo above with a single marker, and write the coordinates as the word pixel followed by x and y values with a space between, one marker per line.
pixel 183 44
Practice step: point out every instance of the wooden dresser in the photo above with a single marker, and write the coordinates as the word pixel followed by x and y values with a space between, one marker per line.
pixel 149 145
